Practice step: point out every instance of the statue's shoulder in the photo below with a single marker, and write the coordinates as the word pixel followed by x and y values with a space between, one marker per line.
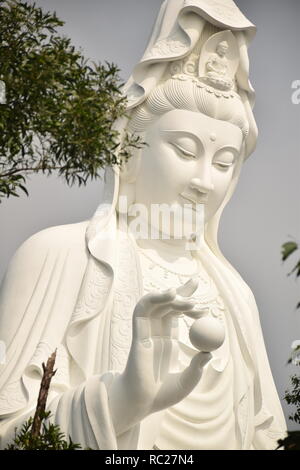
pixel 52 243
pixel 51 261
pixel 60 236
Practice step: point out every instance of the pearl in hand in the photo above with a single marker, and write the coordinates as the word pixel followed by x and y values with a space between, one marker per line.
pixel 207 334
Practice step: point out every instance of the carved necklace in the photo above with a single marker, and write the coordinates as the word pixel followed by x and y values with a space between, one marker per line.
pixel 166 269
pixel 206 295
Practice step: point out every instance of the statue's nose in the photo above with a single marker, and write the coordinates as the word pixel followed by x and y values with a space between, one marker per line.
pixel 202 185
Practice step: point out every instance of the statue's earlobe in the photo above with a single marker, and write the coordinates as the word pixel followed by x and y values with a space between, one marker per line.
pixel 126 197
pixel 129 170
pixel 128 175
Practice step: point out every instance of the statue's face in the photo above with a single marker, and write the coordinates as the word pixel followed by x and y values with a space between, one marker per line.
pixel 190 160
pixel 222 49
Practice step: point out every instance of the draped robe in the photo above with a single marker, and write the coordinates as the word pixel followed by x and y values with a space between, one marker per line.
pixel 56 295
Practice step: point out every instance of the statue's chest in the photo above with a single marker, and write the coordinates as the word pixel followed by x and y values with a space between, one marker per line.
pixel 159 278
pixel 132 281
pixel 211 401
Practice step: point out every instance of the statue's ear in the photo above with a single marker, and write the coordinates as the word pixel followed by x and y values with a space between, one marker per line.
pixel 128 175
pixel 130 169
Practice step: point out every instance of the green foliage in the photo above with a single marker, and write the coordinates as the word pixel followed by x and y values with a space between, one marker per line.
pixel 291 442
pixel 292 397
pixel 295 357
pixel 60 108
pixel 288 249
pixel 50 438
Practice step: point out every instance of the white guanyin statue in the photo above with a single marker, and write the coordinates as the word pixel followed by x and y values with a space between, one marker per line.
pixel 159 342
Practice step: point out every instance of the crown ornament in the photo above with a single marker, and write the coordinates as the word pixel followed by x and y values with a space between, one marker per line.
pixel 214 67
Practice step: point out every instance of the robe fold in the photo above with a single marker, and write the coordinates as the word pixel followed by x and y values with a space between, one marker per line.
pixel 71 301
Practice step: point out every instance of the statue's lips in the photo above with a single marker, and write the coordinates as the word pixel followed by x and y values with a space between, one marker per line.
pixel 194 201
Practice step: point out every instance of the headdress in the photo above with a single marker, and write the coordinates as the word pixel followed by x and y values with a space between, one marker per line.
pixel 176 35
pixel 208 70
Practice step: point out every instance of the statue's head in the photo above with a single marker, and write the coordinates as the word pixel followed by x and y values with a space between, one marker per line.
pixel 195 128
pixel 198 124
pixel 222 48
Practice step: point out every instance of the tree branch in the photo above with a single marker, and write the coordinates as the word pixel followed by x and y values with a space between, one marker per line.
pixel 35 170
pixel 43 395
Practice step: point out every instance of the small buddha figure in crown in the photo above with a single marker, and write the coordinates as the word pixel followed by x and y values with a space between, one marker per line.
pixel 217 68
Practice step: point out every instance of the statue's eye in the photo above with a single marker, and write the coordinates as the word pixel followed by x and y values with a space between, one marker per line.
pixel 185 152
pixel 222 165
pixel 224 160
pixel 186 148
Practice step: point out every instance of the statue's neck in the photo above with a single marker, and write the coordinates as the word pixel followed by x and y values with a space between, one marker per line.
pixel 170 252
pixel 169 249
pixel 169 256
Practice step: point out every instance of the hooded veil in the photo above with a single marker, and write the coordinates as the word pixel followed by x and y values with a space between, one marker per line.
pixel 93 344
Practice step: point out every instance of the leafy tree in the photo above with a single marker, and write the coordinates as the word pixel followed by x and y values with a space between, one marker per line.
pixel 292 397
pixel 57 113
pixel 36 433
pixel 289 249
pixel 50 438
pixel 59 108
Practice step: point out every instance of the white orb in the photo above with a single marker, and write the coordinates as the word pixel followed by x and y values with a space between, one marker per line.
pixel 207 334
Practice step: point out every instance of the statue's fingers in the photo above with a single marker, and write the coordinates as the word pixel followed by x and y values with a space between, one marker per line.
pixel 162 297
pixel 189 377
pixel 181 305
pixel 141 329
pixel 170 326
pixel 197 312
pixel 180 384
pixel 188 289
pixel 163 332
pixel 170 334
pixel 150 301
pixel 176 386
pixel 160 311
pixel 169 361
pixel 165 326
pixel 160 327
pixel 177 305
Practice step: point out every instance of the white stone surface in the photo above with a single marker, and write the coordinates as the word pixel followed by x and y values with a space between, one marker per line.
pixel 128 375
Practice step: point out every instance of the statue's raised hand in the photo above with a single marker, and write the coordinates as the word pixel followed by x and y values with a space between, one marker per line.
pixel 147 384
